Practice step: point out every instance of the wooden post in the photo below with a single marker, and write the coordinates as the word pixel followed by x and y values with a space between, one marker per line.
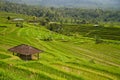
pixel 25 57
pixel 38 56
pixel 13 53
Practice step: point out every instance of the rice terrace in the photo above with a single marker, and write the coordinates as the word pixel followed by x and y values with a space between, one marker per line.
pixel 57 42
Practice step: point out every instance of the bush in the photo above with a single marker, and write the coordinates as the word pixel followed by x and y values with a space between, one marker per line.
pixel 54 27
pixel 19 25
pixel 98 40
pixel 92 61
pixel 8 18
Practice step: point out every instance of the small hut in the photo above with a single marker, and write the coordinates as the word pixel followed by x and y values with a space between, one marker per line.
pixel 35 22
pixel 18 20
pixel 25 52
pixel 96 25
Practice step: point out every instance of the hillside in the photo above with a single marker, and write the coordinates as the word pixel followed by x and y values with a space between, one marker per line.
pixel 104 31
pixel 63 57
pixel 64 15
pixel 73 3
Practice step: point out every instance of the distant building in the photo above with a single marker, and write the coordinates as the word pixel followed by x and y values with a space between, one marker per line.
pixel 18 19
pixel 35 22
pixel 96 25
pixel 25 52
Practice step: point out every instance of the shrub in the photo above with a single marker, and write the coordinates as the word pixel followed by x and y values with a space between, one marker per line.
pixel 47 38
pixel 19 25
pixel 98 39
pixel 92 61
pixel 54 27
pixel 8 18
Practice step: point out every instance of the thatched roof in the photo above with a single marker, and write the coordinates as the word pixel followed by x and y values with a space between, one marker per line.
pixel 18 19
pixel 96 25
pixel 25 49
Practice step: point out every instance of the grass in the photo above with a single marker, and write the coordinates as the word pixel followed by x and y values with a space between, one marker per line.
pixel 3 56
pixel 90 31
pixel 52 70
pixel 64 58
pixel 84 72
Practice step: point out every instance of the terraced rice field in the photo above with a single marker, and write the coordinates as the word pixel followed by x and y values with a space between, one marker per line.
pixel 64 58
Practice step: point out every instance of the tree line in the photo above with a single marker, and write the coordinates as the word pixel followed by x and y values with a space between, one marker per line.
pixel 62 14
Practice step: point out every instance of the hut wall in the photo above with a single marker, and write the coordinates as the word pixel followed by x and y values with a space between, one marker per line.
pixel 24 57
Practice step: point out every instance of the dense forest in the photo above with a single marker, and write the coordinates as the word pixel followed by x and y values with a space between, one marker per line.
pixel 62 14
pixel 104 4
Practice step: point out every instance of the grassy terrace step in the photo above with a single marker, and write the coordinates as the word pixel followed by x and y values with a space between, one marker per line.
pixel 47 48
pixel 22 73
pixel 83 52
pixel 42 32
pixel 101 59
pixel 8 41
pixel 51 70
pixel 83 72
pixel 2 49
pixel 102 53
pixel 3 56
pixel 46 76
pixel 5 76
pixel 89 28
pixel 2 30
pixel 115 71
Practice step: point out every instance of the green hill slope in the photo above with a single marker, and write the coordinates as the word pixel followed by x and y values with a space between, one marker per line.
pixel 64 58
pixel 111 32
